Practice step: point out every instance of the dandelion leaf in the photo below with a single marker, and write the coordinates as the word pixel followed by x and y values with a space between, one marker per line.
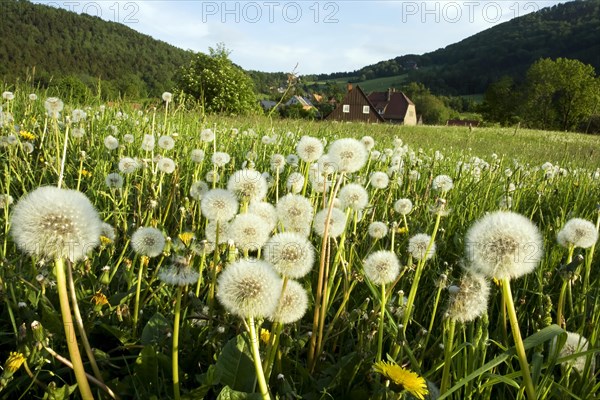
pixel 229 394
pixel 235 368
pixel 155 331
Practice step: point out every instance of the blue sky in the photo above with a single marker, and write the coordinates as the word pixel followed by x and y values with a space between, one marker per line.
pixel 318 36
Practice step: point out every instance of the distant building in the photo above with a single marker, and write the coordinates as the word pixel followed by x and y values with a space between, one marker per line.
pixel 355 107
pixel 267 104
pixel 304 102
pixel 394 107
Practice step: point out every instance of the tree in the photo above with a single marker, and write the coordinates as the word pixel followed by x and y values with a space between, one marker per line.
pixel 501 101
pixel 560 94
pixel 219 85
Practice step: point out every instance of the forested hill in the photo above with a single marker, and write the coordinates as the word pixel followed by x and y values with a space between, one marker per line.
pixel 60 43
pixel 569 30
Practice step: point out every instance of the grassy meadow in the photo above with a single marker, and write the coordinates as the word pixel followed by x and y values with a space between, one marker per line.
pixel 170 285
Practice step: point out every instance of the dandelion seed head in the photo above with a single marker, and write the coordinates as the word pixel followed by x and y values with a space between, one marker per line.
pixel 309 148
pixel 249 232
pixel 248 184
pixel 291 254
pixel 349 155
pixel 575 344
pixel 178 274
pixel 220 159
pixel 219 205
pixel 128 165
pixel 503 245
pixel 380 180
pixel 469 300
pixel 111 142
pixel 53 106
pixel 417 246
pixel 403 206
pixel 222 236
pixel 353 196
pixel 198 189
pixel 295 213
pixel 378 230
pixel 266 211
pixel 148 241
pixel 55 223
pixel 277 163
pixel 295 182
pixel 114 180
pixel 207 135
pixel 166 142
pixel 148 143
pixel 293 304
pixel 249 288
pixel 197 155
pixel 578 232
pixel 166 165
pixel 337 222
pixel 368 142
pixel 167 97
pixel 443 183
pixel 382 267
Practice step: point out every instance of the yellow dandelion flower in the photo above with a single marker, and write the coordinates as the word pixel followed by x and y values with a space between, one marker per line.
pixel 410 381
pixel 401 230
pixel 186 238
pixel 265 336
pixel 27 135
pixel 99 299
pixel 85 173
pixel 105 241
pixel 14 362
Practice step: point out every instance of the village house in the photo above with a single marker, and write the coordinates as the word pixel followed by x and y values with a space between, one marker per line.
pixel 355 107
pixel 394 107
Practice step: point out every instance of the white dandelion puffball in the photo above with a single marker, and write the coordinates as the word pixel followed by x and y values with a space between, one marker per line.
pixel 248 184
pixel 353 196
pixel 148 241
pixel 148 143
pixel 33 97
pixel 309 149
pixel 337 222
pixel 198 189
pixel 349 155
pixel 277 163
pixel 293 304
pixel 108 231
pixel 295 212
pixel 577 232
pixel 443 183
pixel 292 160
pixel 503 245
pixel 470 299
pixel 403 206
pixel 380 180
pixel 114 180
pixel 249 232
pixel 8 95
pixel 197 155
pixel 295 182
pixel 221 236
pixel 55 223
pixel 417 246
pixel 266 211
pixel 78 133
pixel 249 288
pixel 414 175
pixel 53 106
pixel 167 97
pixel 378 230
pixel 111 142
pixel 166 142
pixel 28 147
pixel 207 135
pixel 220 158
pixel 212 176
pixel 219 205
pixel 166 165
pixel 291 255
pixel 178 274
pixel 575 344
pixel 128 138
pixel 128 165
pixel 382 267
pixel 368 142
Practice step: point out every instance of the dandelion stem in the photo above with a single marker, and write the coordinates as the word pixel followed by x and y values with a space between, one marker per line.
pixel 175 347
pixel 138 288
pixel 514 324
pixel 80 327
pixel 381 324
pixel 65 308
pixel 448 348
pixel 262 383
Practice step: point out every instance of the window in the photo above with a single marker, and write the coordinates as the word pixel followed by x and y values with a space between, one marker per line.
pixel 366 109
pixel 346 108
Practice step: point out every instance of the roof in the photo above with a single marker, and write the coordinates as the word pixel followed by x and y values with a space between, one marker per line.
pixel 392 104
pixel 356 99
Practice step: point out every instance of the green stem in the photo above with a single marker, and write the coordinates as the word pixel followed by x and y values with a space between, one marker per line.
pixel 138 288
pixel 175 348
pixel 448 347
pixel 262 383
pixel 65 309
pixel 514 325
pixel 381 324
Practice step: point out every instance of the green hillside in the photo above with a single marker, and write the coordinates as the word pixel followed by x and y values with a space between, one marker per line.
pixel 570 30
pixel 60 43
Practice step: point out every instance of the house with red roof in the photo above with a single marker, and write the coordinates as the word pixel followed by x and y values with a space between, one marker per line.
pixel 394 107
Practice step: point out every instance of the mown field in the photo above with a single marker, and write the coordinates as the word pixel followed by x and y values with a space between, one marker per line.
pixel 149 249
